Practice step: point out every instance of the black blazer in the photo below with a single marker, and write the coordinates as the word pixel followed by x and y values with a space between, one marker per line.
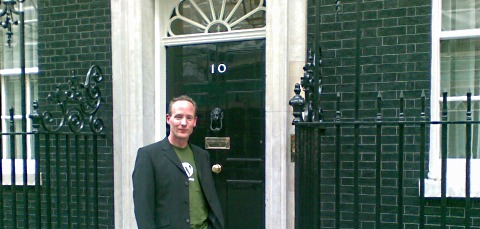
pixel 160 188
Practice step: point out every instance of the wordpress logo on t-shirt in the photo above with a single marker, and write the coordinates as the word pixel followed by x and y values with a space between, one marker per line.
pixel 188 169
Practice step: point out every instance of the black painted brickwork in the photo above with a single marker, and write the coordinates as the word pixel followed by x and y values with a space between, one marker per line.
pixel 395 53
pixel 73 35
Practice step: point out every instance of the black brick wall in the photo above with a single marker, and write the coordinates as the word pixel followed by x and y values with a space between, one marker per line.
pixel 73 35
pixel 395 53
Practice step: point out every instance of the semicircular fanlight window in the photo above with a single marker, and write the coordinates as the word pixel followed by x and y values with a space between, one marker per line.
pixel 214 16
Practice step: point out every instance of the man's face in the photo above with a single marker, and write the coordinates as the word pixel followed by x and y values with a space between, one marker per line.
pixel 182 120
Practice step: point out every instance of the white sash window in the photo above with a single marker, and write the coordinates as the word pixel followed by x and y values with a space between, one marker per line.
pixel 455 70
pixel 10 86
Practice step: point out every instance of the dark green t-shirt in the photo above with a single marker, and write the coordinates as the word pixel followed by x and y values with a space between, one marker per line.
pixel 198 205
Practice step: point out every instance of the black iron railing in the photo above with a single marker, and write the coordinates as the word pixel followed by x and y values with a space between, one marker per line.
pixel 370 172
pixel 58 187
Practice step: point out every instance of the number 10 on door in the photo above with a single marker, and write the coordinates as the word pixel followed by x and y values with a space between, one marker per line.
pixel 220 68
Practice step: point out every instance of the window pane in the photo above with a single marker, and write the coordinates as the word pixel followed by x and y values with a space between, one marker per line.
pixel 12 98
pixel 214 16
pixel 457 111
pixel 12 95
pixel 31 34
pixel 460 64
pixel 460 73
pixel 11 87
pixel 13 140
pixel 460 14
pixel 10 50
pixel 32 91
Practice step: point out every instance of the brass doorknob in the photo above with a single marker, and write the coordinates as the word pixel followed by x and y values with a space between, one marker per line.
pixel 216 168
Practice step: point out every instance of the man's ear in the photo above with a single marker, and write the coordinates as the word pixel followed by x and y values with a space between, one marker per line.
pixel 168 119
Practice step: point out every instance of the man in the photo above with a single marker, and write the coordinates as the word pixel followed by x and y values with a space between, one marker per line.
pixel 173 185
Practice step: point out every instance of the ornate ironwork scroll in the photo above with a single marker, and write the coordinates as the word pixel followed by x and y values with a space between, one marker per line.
pixel 8 10
pixel 78 105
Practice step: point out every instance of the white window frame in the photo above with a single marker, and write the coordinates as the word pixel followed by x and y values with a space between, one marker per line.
pixel 5 73
pixel 225 18
pixel 6 162
pixel 455 167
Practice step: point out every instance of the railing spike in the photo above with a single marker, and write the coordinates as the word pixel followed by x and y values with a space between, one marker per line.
pixel 469 106
pixel 35 116
pixel 444 107
pixel 402 106
pixel 338 113
pixel 379 106
pixel 423 106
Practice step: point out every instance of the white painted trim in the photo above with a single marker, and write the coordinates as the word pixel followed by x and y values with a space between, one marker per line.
pixel 458 98
pixel 459 34
pixel 7 172
pixel 456 180
pixel 434 165
pixel 17 71
pixel 202 38
pixel 435 66
pixel 133 93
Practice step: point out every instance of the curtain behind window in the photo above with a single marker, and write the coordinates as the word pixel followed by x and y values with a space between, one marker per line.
pixel 460 68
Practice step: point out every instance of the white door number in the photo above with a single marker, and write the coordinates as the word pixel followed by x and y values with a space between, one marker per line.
pixel 221 68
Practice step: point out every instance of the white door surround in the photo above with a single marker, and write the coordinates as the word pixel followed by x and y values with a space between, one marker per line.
pixel 138 65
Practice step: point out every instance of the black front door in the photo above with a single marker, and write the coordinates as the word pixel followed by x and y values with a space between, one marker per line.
pixel 227 80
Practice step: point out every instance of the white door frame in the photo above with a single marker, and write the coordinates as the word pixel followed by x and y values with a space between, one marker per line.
pixel 138 78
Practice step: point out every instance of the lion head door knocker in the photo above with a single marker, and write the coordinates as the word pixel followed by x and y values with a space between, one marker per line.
pixel 216 119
